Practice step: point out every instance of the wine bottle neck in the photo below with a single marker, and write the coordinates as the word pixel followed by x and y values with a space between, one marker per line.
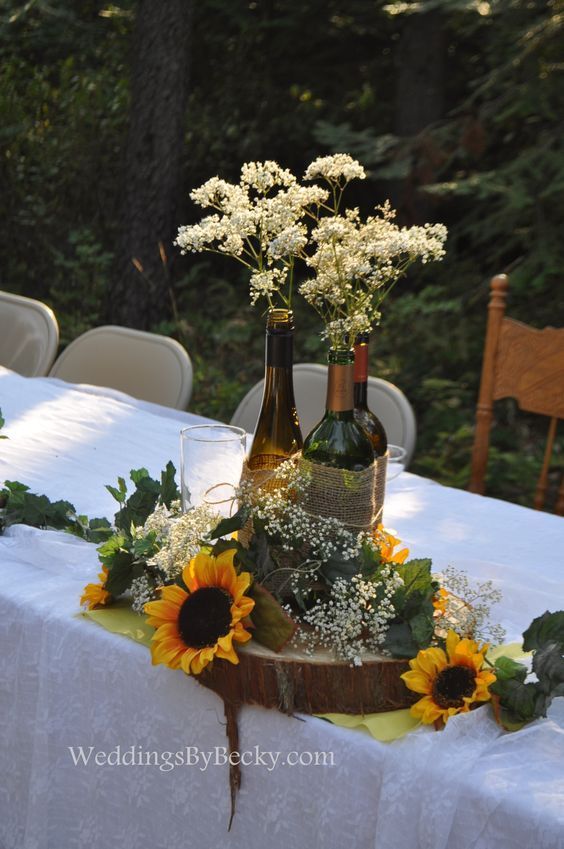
pixel 279 350
pixel 340 395
pixel 361 372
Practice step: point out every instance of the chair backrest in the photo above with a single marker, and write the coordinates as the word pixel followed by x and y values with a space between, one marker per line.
pixel 310 389
pixel 524 363
pixel 29 335
pixel 146 365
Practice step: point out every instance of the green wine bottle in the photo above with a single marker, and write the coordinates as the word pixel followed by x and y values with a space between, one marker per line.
pixel 277 434
pixel 362 414
pixel 338 440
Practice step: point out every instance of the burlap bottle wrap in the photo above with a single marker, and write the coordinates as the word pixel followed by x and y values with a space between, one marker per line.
pixel 341 494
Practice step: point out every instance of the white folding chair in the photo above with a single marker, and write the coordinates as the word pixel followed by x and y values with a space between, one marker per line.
pixel 310 389
pixel 29 335
pixel 145 365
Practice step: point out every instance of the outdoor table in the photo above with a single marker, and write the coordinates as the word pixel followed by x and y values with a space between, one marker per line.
pixel 65 682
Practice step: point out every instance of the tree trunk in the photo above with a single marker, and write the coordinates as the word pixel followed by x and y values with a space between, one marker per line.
pixel 420 81
pixel 159 88
pixel 419 102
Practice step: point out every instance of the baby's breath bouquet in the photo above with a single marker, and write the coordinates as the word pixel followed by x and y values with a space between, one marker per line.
pixel 356 263
pixel 269 221
pixel 259 222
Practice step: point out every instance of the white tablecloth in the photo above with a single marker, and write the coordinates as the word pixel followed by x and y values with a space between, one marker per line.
pixel 67 683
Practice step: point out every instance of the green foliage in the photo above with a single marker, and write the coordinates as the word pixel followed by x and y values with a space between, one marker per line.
pixel 2 423
pixel 413 628
pixel 521 701
pixel 20 506
pixel 145 497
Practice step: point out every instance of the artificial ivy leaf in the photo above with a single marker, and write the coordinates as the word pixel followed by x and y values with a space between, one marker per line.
pixel 517 698
pixel 546 628
pixel 120 573
pixel 548 665
pixel 273 627
pixel 418 586
pixel 416 575
pixel 99 530
pixel 263 564
pixel 139 505
pixel 506 668
pixel 422 629
pixel 111 548
pixel 138 475
pixel 229 526
pixel 399 640
pixel 120 493
pixel 339 567
pixel 144 547
pixel 169 489
pixel 224 545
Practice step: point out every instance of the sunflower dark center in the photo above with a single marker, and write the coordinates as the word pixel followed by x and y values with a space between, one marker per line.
pixel 204 617
pixel 452 684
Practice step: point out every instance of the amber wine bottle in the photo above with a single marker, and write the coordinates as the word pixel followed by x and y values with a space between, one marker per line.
pixel 277 434
pixel 362 414
pixel 337 440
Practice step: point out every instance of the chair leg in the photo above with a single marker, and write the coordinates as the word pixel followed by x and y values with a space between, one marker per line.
pixel 540 492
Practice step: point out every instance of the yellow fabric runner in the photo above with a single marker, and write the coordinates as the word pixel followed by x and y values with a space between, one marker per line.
pixel 385 727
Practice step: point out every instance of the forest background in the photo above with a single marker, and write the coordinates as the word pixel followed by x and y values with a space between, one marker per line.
pixel 111 113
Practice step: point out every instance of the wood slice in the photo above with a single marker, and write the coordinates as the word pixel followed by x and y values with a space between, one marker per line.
pixel 294 682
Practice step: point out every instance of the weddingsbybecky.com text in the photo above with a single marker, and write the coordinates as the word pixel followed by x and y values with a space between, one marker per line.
pixel 192 756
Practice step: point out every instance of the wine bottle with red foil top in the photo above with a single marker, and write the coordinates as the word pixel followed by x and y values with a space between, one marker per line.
pixel 338 440
pixel 362 414
pixel 277 434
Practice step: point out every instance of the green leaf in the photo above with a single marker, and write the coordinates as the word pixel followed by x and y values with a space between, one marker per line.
pixel 99 530
pixel 339 567
pixel 518 699
pixel 422 629
pixel 138 475
pixel 506 668
pixel 273 627
pixel 169 489
pixel 120 573
pixel 548 666
pixel 119 494
pixel 399 640
pixel 546 628
pixel 229 526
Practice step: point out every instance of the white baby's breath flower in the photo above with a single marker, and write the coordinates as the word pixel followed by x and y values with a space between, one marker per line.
pixel 335 167
pixel 263 176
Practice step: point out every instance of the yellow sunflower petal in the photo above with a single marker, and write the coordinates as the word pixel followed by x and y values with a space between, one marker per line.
pixel 240 635
pixel 452 641
pixel 417 682
pixel 242 584
pixel 230 655
pixel 431 661
pixel 187 660
pixel 202 658
pixel 426 710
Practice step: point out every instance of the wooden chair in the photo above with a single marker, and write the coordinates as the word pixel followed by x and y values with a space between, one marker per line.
pixel 524 363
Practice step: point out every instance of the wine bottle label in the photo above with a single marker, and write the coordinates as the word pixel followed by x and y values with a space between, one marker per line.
pixel 279 350
pixel 340 388
pixel 360 363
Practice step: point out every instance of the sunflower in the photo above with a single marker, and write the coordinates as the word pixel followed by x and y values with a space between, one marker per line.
pixel 451 682
pixel 386 542
pixel 194 627
pixel 95 595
